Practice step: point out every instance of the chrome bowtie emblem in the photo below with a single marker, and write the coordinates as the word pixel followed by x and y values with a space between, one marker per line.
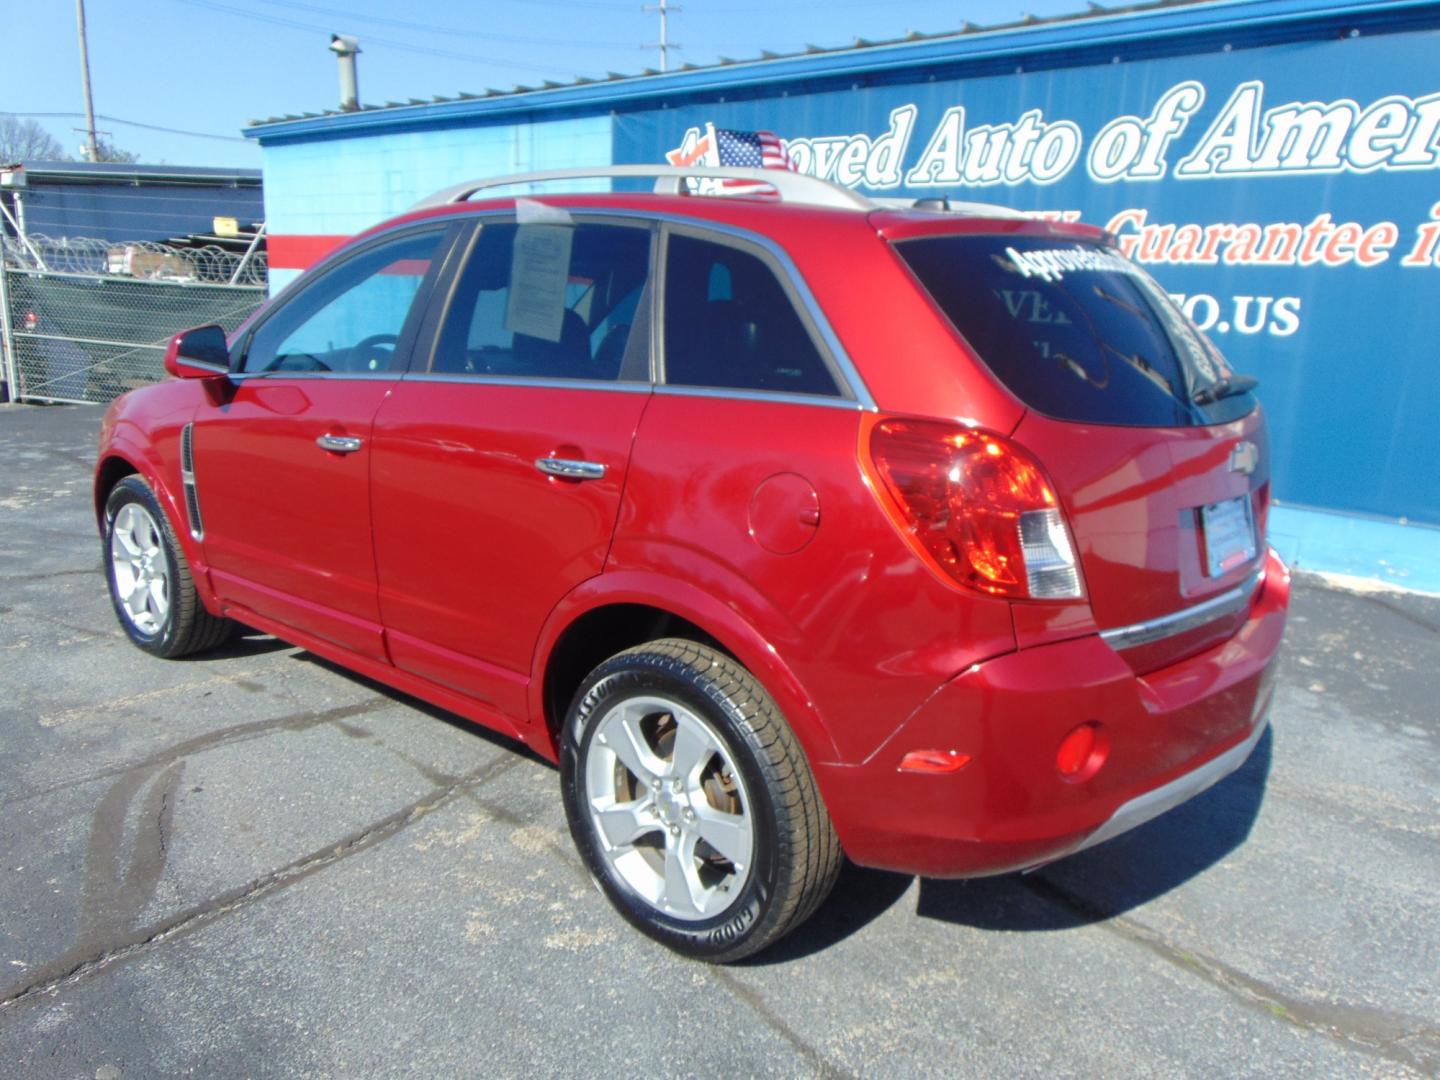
pixel 1244 457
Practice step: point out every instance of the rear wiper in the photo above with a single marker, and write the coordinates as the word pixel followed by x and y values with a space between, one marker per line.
pixel 1229 386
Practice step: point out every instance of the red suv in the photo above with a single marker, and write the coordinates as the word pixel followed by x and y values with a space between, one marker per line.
pixel 789 524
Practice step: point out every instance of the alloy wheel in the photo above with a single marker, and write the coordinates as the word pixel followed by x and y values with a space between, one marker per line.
pixel 141 569
pixel 669 806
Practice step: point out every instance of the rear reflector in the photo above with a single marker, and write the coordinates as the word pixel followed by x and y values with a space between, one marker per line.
pixel 934 761
pixel 1081 752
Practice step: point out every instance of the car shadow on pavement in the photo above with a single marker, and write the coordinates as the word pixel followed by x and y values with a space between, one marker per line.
pixel 435 712
pixel 246 642
pixel 256 643
pixel 1086 888
pixel 860 897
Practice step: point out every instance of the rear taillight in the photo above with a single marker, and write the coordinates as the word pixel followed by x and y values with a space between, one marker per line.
pixel 977 506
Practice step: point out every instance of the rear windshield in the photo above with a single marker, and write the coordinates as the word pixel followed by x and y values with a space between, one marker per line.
pixel 1074 329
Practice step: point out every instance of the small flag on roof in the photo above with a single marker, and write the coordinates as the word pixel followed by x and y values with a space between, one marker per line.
pixel 726 148
pixel 752 149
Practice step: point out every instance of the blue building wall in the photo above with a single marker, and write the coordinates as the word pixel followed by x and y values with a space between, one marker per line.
pixel 342 187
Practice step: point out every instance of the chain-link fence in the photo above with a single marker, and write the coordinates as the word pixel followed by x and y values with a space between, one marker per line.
pixel 88 320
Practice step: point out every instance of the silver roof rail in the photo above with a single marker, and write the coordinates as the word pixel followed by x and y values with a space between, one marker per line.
pixel 791 186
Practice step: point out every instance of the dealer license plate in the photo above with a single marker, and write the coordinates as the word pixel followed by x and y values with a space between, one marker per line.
pixel 1229 530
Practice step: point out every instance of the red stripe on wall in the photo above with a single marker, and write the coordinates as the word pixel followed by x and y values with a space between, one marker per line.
pixel 300 252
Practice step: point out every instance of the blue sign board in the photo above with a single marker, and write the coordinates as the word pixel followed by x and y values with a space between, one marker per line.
pixel 1286 195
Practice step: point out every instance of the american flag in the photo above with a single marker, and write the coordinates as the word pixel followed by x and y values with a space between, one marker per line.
pixel 752 150
pixel 722 148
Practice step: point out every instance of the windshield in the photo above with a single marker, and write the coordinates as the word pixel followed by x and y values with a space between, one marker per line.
pixel 1076 330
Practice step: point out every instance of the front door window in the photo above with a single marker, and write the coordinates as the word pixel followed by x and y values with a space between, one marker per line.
pixel 350 319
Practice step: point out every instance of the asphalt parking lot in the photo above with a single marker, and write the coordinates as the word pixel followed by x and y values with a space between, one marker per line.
pixel 255 864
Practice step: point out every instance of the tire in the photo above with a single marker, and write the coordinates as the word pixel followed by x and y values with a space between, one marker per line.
pixel 150 583
pixel 691 802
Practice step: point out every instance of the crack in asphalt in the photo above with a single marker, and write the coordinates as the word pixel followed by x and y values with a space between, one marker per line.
pixel 1363 816
pixel 1373 1031
pixel 71 968
pixel 84 458
pixel 162 823
pixel 213 680
pixel 564 854
pixel 1410 617
pixel 1374 600
pixel 296 721
pixel 86 631
pixel 30 612
pixel 748 998
pixel 17 578
pixel 757 1006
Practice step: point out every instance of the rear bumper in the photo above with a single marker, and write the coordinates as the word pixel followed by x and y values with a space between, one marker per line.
pixel 1167 735
pixel 1156 801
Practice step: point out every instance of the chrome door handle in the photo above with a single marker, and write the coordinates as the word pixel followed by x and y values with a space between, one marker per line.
pixel 570 469
pixel 339 444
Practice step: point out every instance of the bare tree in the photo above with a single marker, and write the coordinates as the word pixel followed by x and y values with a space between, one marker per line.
pixel 25 140
pixel 108 151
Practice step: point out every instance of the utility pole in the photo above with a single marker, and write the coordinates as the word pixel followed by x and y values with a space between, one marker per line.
pixel 665 44
pixel 92 148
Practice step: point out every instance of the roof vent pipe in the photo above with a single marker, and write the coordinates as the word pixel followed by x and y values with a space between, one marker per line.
pixel 345 49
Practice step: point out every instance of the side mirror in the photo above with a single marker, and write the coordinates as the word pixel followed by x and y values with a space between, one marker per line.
pixel 200 353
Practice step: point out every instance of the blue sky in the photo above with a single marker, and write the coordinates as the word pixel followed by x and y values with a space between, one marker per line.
pixel 209 66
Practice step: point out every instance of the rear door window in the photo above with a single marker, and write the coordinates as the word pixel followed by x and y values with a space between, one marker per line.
pixel 730 323
pixel 1075 330
pixel 550 301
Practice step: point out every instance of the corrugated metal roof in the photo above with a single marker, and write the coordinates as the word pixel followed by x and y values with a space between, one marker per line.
pixel 1142 22
pixel 88 172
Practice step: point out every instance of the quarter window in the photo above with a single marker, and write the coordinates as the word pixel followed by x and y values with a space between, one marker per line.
pixel 729 323
pixel 351 318
pixel 550 301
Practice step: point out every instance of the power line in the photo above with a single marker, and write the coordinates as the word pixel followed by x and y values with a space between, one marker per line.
pixel 448 31
pixel 588 5
pixel 129 123
pixel 295 24
pixel 821 5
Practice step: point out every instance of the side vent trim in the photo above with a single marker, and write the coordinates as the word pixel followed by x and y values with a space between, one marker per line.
pixel 187 479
